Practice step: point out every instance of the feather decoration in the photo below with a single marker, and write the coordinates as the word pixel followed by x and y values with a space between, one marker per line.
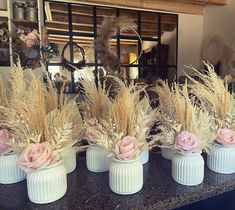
pixel 109 28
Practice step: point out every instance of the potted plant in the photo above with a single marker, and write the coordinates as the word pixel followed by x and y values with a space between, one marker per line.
pixel 40 135
pixel 10 172
pixel 191 127
pixel 166 135
pixel 94 105
pixel 123 132
pixel 212 91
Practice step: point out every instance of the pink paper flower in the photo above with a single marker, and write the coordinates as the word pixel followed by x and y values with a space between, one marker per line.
pixel 5 146
pixel 187 142
pixel 127 148
pixel 226 137
pixel 37 156
pixel 31 39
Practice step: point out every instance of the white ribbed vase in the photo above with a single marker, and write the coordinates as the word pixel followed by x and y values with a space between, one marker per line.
pixel 47 184
pixel 126 177
pixel 10 171
pixel 69 159
pixel 188 169
pixel 220 159
pixel 97 159
pixel 144 156
pixel 167 153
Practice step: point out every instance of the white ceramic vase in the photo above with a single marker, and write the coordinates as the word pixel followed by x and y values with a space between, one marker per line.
pixel 220 159
pixel 69 159
pixel 126 177
pixel 10 171
pixel 188 169
pixel 97 159
pixel 48 184
pixel 167 153
pixel 144 156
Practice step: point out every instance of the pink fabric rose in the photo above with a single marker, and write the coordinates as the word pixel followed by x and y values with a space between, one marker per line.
pixel 37 156
pixel 30 39
pixel 127 148
pixel 225 137
pixel 187 142
pixel 5 146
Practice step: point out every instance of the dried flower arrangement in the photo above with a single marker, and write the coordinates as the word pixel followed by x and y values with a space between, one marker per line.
pixel 213 92
pixel 4 133
pixel 120 123
pixel 25 44
pixel 96 99
pixel 183 124
pixel 40 128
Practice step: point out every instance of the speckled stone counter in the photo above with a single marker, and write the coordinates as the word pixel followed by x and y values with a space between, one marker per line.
pixel 87 190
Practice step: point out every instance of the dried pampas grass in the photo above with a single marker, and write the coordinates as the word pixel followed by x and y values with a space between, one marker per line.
pixel 36 116
pixel 109 28
pixel 4 95
pixel 213 93
pixel 128 114
pixel 180 112
pixel 96 100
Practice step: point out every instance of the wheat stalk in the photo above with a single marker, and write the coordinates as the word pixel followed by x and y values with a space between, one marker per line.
pixel 128 114
pixel 34 115
pixel 182 113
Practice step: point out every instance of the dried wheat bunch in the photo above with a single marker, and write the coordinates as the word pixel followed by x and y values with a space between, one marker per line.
pixel 96 98
pixel 37 117
pixel 128 115
pixel 165 97
pixel 17 83
pixel 4 94
pixel 213 92
pixel 182 114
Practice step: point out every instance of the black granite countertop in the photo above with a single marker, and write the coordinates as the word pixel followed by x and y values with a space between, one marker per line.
pixel 87 190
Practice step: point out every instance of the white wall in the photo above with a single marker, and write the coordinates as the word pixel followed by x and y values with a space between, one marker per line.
pixel 219 20
pixel 189 41
pixel 3 4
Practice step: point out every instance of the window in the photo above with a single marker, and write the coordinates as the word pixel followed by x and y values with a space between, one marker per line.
pixel 79 23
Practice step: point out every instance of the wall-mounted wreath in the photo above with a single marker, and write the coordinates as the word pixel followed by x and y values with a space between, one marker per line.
pixel 73 66
pixel 109 28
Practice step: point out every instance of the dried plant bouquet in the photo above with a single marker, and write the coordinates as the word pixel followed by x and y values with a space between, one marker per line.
pixel 125 124
pixel 213 93
pixel 96 98
pixel 180 114
pixel 37 122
